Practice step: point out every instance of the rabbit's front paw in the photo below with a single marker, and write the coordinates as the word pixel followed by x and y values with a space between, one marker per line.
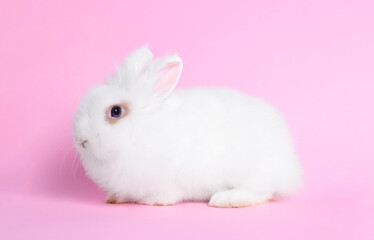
pixel 236 198
pixel 111 199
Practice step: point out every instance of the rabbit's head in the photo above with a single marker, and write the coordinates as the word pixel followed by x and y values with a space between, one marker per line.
pixel 108 111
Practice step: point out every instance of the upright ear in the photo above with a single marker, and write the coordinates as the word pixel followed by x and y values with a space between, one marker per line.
pixel 133 66
pixel 165 73
pixel 137 60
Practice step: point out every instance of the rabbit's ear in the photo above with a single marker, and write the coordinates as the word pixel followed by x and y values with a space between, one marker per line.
pixel 165 73
pixel 137 60
pixel 132 67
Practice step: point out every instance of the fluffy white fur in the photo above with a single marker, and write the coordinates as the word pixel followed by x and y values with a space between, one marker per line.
pixel 201 144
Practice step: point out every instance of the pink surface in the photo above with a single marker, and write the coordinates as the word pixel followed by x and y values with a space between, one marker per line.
pixel 311 59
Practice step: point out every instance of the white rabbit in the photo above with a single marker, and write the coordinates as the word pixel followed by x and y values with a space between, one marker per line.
pixel 141 142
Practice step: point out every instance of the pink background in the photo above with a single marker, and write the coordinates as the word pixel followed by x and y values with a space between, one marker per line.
pixel 313 59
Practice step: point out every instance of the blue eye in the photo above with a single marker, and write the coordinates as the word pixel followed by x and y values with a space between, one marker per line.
pixel 116 111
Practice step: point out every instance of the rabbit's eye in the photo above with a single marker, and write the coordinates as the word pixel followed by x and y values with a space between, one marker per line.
pixel 116 112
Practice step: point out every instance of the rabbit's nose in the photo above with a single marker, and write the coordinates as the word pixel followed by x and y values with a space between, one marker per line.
pixel 84 143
